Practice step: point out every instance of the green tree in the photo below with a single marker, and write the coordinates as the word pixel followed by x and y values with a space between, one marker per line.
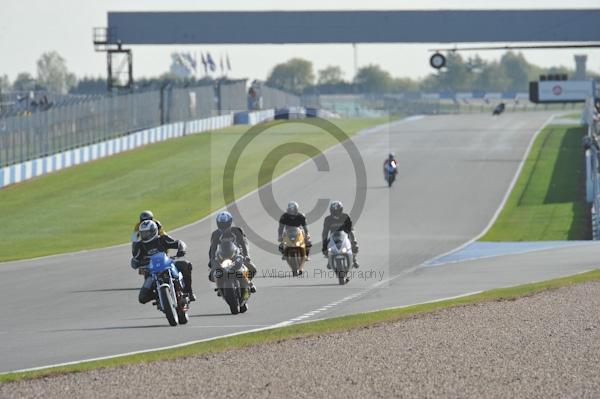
pixel 404 84
pixel 456 76
pixel 492 78
pixel 24 82
pixel 331 75
pixel 4 83
pixel 52 73
pixel 293 75
pixel 373 79
pixel 517 70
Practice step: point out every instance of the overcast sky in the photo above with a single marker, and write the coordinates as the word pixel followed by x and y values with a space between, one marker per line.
pixel 30 27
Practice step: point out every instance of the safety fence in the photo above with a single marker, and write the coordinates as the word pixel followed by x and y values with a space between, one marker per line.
pixel 368 105
pixel 41 166
pixel 43 131
pixel 274 98
pixel 592 157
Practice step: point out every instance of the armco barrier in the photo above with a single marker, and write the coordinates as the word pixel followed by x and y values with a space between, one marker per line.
pixel 37 167
pixel 252 118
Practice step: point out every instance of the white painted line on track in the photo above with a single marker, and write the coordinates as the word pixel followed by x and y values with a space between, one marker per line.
pixel 271 327
pixel 232 326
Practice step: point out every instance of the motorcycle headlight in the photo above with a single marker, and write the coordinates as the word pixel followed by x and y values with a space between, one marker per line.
pixel 298 243
pixel 329 250
pixel 344 250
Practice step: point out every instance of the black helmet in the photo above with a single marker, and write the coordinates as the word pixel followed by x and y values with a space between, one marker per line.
pixel 292 208
pixel 336 208
pixel 224 220
pixel 148 230
pixel 391 156
pixel 146 215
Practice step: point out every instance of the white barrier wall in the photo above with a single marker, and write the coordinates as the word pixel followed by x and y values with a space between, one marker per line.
pixel 259 116
pixel 37 167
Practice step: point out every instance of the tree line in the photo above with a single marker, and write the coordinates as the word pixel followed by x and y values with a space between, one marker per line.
pixel 509 74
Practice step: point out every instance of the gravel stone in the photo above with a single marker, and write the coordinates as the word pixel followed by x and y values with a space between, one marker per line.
pixel 541 346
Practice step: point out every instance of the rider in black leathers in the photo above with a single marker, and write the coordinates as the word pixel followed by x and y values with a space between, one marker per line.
pixel 150 243
pixel 339 221
pixel 225 229
pixel 295 219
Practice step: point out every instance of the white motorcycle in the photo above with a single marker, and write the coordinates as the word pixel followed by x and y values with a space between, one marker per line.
pixel 340 256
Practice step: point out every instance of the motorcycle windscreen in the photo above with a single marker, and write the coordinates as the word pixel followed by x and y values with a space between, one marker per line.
pixel 338 238
pixel 292 232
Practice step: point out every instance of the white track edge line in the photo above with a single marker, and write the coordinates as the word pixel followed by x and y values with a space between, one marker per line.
pixel 521 252
pixel 271 327
pixel 504 199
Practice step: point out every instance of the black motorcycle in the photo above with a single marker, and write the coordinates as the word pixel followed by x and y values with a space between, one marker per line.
pixel 499 109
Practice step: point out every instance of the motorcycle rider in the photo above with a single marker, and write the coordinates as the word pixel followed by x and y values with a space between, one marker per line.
pixel 150 243
pixel 225 229
pixel 391 159
pixel 339 221
pixel 292 217
pixel 146 215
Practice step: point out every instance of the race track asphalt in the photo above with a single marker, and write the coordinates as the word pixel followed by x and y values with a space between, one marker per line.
pixel 454 173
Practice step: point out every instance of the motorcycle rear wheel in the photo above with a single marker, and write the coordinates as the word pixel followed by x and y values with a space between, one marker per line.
pixel 182 316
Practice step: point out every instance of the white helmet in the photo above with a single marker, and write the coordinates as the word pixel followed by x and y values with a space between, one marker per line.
pixel 148 230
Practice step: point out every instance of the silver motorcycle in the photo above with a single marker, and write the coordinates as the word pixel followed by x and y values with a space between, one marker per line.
pixel 231 276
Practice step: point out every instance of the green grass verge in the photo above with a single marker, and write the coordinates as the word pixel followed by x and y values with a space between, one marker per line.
pixel 574 115
pixel 308 329
pixel 548 201
pixel 96 204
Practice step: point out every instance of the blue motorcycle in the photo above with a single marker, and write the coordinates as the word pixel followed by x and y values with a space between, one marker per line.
pixel 169 284
pixel 389 172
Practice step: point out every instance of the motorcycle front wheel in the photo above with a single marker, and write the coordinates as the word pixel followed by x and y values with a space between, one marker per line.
pixel 293 259
pixel 168 305
pixel 231 298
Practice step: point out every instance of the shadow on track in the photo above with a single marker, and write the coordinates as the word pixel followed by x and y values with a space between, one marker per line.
pixel 304 285
pixel 109 328
pixel 210 315
pixel 378 187
pixel 106 290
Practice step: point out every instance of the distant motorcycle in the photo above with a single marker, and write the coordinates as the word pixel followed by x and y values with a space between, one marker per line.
pixel 389 172
pixel 231 277
pixel 169 284
pixel 294 248
pixel 340 256
pixel 499 109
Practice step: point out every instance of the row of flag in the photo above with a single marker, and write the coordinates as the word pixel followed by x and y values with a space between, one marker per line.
pixel 209 64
